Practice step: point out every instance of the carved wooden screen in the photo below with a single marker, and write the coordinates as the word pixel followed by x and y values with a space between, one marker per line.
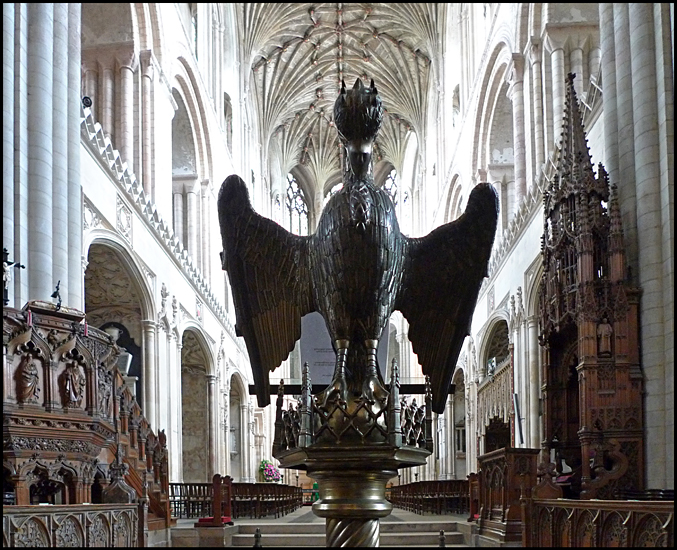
pixel 588 327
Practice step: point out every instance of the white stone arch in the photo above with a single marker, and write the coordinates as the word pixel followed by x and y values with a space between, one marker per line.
pixel 198 421
pixel 238 445
pixel 129 260
pixel 531 293
pixel 203 339
pixel 522 26
pixel 454 198
pixel 185 82
pixel 182 90
pixel 491 81
pixel 498 316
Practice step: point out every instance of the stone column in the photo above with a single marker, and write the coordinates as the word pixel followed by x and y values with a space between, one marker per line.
pixel 192 220
pixel 244 441
pixel 19 36
pixel 127 63
pixel 594 56
pixel 177 414
pixel 626 132
pixel 178 211
pixel 664 39
pixel 8 135
pixel 106 96
pixel 60 151
pixel 449 435
pixel 650 205
pixel 226 428
pixel 149 367
pixel 576 65
pixel 76 279
pixel 91 68
pixel 216 64
pixel 535 54
pixel 555 45
pixel 515 74
pixel 40 80
pixel 147 73
pixel 212 407
pixel 608 53
pixel 534 430
pixel 163 373
pixel 452 430
pixel 204 237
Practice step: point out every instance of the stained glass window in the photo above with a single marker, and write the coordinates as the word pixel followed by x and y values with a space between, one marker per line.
pixel 297 209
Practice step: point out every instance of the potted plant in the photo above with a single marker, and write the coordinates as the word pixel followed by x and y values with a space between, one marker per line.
pixel 269 473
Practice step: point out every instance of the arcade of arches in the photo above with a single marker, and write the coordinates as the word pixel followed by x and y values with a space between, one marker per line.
pixel 121 121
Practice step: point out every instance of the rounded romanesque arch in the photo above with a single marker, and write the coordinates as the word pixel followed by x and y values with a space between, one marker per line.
pixel 494 394
pixel 118 294
pixel 494 349
pixel 197 404
pixel 237 429
pixel 454 199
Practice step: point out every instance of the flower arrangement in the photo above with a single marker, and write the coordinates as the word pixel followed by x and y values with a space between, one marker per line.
pixel 268 471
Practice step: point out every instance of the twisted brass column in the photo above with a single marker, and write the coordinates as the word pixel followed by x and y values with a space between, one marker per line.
pixel 352 501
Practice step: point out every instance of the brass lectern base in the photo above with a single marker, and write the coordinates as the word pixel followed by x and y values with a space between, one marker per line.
pixel 352 483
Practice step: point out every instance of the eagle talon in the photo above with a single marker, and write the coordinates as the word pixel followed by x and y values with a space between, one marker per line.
pixel 373 391
pixel 334 393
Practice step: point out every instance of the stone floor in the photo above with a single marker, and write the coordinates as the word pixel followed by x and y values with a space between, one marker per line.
pixel 303 528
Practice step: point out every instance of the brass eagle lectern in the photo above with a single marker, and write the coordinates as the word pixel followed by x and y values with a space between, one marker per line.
pixel 355 270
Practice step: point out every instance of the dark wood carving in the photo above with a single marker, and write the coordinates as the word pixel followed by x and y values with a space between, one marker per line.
pixel 602 523
pixel 70 424
pixel 592 383
pixel 505 475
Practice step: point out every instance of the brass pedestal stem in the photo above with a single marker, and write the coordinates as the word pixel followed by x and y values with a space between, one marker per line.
pixel 352 501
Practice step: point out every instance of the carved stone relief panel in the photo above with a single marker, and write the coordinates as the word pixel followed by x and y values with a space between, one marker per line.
pixel 92 219
pixel 124 220
pixel 130 318
pixel 108 282
pixel 198 309
pixel 194 401
pixel 192 354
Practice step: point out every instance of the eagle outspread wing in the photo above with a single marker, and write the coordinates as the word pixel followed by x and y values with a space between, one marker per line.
pixel 443 273
pixel 270 282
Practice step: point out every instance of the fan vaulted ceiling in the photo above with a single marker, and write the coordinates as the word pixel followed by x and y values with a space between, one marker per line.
pixel 299 53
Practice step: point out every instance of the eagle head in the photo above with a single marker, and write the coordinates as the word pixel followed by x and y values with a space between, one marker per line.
pixel 358 114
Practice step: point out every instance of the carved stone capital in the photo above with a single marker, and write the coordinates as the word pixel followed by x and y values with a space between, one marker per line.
pixel 514 75
pixel 555 39
pixel 148 63
pixel 534 51
pixel 127 60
